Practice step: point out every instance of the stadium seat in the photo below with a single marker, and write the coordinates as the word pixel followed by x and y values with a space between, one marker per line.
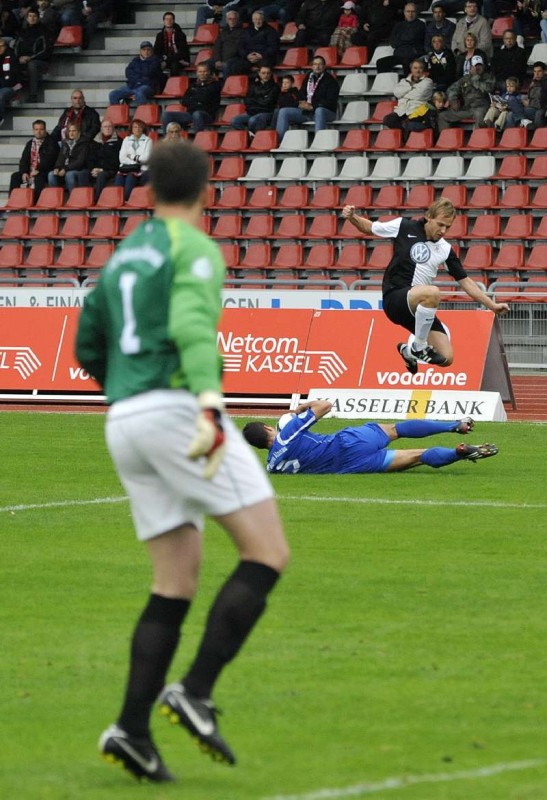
pixel 76 226
pixel 289 32
pixel 232 142
pixel 11 256
pixel 206 34
pixel 288 257
pixel 230 253
pixel 512 168
pixel 323 168
pixel 118 115
pixel 541 232
pixel 382 51
pixel 359 196
pixel 325 196
pixel 329 53
pixel 537 169
pixel 295 197
pixel 480 168
pixel 538 53
pixel 111 198
pixel 132 222
pixel 519 226
pixel 205 224
pixel 458 229
pixel 418 168
pixel 353 57
pixel 478 256
pixel 538 140
pixel 356 140
pixel 447 169
pixel 352 258
pixel 456 193
pixel 389 197
pixel 500 25
pixel 98 256
pixel 386 168
pixel 509 258
pixel 16 226
pixel 540 197
pixel 20 199
pixel 264 141
pixel 381 110
pixel 514 139
pixel 323 226
pixel 419 140
pixel 349 231
pixel 258 255
pixel 516 195
pixel 71 257
pixel 484 196
pixel 354 168
pixel 39 256
pixel 487 226
pixel 105 226
pixel 481 139
pixel 69 36
pixel 230 111
pixel 230 169
pixel 232 197
pixel 293 168
pixel 205 54
pixel 206 140
pixel 235 86
pixel 139 199
pixel 294 58
pixel 450 139
pixel 380 256
pixel 259 226
pixel 80 199
pixel 384 83
pixel 320 257
pixel 263 196
pixel 355 112
pixel 388 139
pixel 149 113
pixel 293 141
pixel 227 226
pixel 51 198
pixel 46 226
pixel 420 196
pixel 537 258
pixel 324 141
pixel 175 86
pixel 291 227
pixel 354 85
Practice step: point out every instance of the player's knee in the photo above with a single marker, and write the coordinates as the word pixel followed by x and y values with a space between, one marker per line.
pixel 431 296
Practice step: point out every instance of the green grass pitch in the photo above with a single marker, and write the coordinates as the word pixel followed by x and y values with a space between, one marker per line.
pixel 402 655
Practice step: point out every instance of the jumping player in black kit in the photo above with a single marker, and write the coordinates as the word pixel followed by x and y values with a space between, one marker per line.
pixel 409 297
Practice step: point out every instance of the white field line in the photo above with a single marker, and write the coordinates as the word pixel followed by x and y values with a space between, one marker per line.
pixel 298 498
pixel 390 784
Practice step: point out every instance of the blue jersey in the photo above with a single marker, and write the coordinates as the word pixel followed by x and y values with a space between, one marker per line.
pixel 297 449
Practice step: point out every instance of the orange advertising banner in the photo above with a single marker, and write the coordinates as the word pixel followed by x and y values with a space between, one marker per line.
pixel 266 351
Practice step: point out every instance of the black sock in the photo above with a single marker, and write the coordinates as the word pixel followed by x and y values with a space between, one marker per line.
pixel 153 646
pixel 232 617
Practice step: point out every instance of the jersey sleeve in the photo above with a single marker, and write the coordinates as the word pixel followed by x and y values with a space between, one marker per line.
pixel 387 230
pixel 91 345
pixel 454 266
pixel 195 308
pixel 296 425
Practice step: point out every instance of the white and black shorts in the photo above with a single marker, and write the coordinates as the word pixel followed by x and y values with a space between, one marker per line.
pixel 397 310
pixel 149 437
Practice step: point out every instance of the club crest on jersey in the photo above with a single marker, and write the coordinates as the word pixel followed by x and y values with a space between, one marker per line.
pixel 420 253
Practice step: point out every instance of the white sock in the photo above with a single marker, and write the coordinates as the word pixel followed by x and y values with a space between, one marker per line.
pixel 424 320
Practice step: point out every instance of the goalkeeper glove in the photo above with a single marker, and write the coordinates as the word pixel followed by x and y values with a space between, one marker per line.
pixel 209 439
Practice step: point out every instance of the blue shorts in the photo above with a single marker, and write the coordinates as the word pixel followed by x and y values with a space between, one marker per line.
pixel 363 449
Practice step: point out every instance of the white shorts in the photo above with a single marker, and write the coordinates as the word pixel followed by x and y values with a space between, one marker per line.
pixel 149 437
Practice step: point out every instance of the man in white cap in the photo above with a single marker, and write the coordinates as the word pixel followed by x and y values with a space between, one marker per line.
pixel 144 78
pixel 469 96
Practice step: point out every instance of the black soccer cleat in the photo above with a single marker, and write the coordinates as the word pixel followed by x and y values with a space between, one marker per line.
pixel 410 361
pixel 428 355
pixel 465 425
pixel 472 452
pixel 137 755
pixel 198 716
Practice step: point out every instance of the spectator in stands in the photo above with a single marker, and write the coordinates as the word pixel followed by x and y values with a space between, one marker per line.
pixel 413 94
pixel 134 156
pixel 348 23
pixel 439 26
pixel 171 46
pixel 94 12
pixel 441 63
pixel 33 51
pixel 104 156
pixel 463 60
pixel 377 18
pixel 282 11
pixel 10 76
pixel 260 103
pixel 316 21
pixel 202 101
pixel 215 11
pixel 535 104
pixel 407 40
pixel 9 25
pixel 259 44
pixel 509 60
pixel 469 96
pixel 144 78
pixel 173 131
pixel 38 158
pixel 69 11
pixel 317 100
pixel 71 167
pixel 85 117
pixel 473 22
pixel 287 98
pixel 527 17
pixel 50 19
pixel 500 105
pixel 226 58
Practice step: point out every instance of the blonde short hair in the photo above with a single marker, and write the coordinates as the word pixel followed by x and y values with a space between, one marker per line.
pixel 442 207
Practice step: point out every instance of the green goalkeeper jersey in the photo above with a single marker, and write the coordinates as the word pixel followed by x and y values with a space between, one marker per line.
pixel 151 321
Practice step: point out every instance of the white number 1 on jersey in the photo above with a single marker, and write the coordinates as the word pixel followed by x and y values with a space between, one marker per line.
pixel 130 343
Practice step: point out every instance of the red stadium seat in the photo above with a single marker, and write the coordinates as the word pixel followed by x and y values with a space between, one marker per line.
pixel 500 25
pixel 71 257
pixel 206 140
pixel 16 227
pixel 40 256
pixel 110 198
pixel 46 226
pixel 478 256
pixel 540 197
pixel 206 33
pixel 329 53
pixel 516 195
pixel 326 196
pixel 139 198
pixel 420 196
pixel 380 256
pixel 232 142
pixel 259 226
pixel 513 139
pixel 323 226
pixel 235 86
pixel 451 139
pixel 354 57
pixel 51 198
pixel 389 197
pixel 381 110
pixel 359 196
pixel 76 226
pixel 232 197
pixel 118 115
pixel 456 193
pixel 320 257
pixel 229 112
pixel 294 58
pixel 106 226
pixel 352 257
pixel 509 258
pixel 294 197
pixel 176 86
pixel 132 221
pixel 258 255
pixel 264 141
pixel 538 169
pixel 229 169
pixel 537 258
pixel 69 36
pixel 539 139
pixel 388 139
pixel 98 256
pixel 263 196
pixel 288 257
pixel 485 196
pixel 481 139
pixel 80 198
pixel 541 232
pixel 356 140
pixel 419 140
pixel 511 168
pixel 458 229
pixel 292 226
pixel 20 199
pixel 227 226
pixel 11 256
pixel 487 226
pixel 230 254
pixel 149 113
pixel 519 226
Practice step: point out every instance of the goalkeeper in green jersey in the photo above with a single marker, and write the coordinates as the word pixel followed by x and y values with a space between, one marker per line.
pixel 148 334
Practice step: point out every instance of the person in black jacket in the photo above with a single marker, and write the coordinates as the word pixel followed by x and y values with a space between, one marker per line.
pixel 260 103
pixel 93 13
pixel 509 61
pixel 171 46
pixel 10 76
pixel 144 78
pixel 226 58
pixel 317 100
pixel 259 44
pixel 441 63
pixel 407 40
pixel 38 158
pixel 376 21
pixel 85 117
pixel 202 101
pixel 315 22
pixel 104 156
pixel 33 51
pixel 72 162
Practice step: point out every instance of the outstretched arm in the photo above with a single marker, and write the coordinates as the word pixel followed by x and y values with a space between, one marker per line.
pixel 319 407
pixel 475 292
pixel 361 223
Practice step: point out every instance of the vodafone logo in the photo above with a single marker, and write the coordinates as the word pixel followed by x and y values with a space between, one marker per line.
pixel 428 377
pixel 20 359
pixel 272 354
